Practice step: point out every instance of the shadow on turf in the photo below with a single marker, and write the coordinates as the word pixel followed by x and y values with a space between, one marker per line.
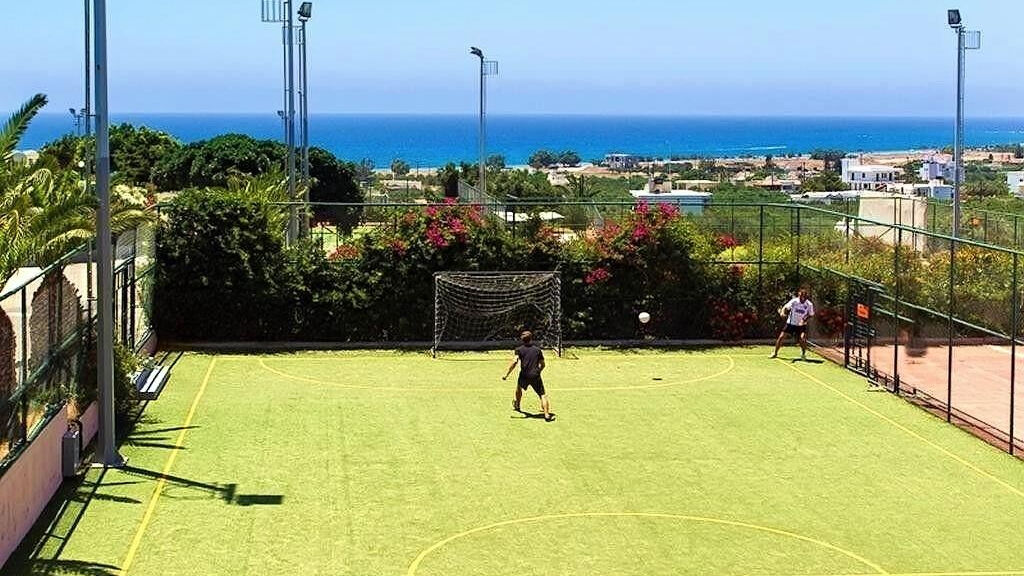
pixel 530 416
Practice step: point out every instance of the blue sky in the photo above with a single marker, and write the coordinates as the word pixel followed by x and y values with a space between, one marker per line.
pixel 871 57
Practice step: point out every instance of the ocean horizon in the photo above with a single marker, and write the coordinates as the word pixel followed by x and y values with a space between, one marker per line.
pixel 433 140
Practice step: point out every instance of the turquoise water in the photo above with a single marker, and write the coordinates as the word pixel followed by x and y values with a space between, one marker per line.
pixel 436 139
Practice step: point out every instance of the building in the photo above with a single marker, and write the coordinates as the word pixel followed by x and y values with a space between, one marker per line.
pixel 621 161
pixel 657 192
pixel 935 190
pixel 25 157
pixel 935 169
pixel 1015 181
pixel 859 176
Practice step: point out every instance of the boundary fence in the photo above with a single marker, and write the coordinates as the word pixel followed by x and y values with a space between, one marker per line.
pixel 46 322
pixel 945 320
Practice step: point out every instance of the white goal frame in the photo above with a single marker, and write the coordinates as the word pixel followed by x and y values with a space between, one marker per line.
pixel 551 334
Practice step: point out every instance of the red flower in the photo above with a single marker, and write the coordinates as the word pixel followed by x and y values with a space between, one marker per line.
pixel 345 252
pixel 640 232
pixel 398 247
pixel 727 241
pixel 597 275
pixel 642 208
pixel 432 211
pixel 449 201
pixel 669 211
pixel 436 237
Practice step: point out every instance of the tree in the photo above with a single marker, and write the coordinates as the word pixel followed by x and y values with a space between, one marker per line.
pixel 212 162
pixel 45 213
pixel 912 172
pixel 1018 151
pixel 827 181
pixel 448 177
pixel 542 159
pixel 399 167
pixel 134 152
pixel 495 162
pixel 333 181
pixel 832 158
pixel 569 158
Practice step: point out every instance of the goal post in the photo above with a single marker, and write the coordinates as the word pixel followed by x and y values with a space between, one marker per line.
pixel 477 309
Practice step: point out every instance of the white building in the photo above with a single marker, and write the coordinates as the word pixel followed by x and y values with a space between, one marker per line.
pixel 689 201
pixel 867 176
pixel 621 161
pixel 25 157
pixel 1015 181
pixel 936 190
pixel 934 169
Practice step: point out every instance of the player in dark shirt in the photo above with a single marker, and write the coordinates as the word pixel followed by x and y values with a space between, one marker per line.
pixel 532 359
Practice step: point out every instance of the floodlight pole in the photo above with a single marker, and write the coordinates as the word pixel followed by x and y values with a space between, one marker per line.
pixel 304 114
pixel 87 111
pixel 107 449
pixel 482 134
pixel 958 143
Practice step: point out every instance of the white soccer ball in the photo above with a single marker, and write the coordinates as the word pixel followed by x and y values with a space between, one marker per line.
pixel 644 317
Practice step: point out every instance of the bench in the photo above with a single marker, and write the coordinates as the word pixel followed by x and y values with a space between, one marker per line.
pixel 151 381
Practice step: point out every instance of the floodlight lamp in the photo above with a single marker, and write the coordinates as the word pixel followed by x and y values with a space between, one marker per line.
pixel 73 111
pixel 305 11
pixel 476 52
pixel 280 114
pixel 953 16
pixel 81 164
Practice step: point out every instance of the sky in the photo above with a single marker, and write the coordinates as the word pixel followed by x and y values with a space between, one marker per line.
pixel 659 57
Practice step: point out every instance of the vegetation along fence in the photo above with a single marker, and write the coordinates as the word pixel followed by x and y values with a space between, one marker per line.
pixel 933 318
pixel 46 326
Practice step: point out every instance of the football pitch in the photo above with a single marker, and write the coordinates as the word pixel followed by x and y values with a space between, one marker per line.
pixel 715 462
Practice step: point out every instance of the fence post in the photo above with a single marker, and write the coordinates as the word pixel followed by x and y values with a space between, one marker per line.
pixel 896 312
pixel 1013 348
pixel 949 358
pixel 847 243
pixel 24 363
pixel 760 250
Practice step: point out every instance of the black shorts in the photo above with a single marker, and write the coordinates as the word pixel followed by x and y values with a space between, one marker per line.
pixel 795 330
pixel 532 381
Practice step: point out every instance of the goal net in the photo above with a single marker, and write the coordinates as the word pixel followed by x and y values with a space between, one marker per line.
pixel 473 308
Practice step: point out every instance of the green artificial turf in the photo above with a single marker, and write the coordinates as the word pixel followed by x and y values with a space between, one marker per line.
pixel 718 462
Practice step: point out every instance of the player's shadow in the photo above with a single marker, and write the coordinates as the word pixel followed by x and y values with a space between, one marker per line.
pixel 524 415
pixel 808 360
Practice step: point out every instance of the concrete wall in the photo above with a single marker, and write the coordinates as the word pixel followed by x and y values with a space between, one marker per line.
pixel 28 485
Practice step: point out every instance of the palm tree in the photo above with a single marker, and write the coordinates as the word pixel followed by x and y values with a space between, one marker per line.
pixel 579 189
pixel 46 214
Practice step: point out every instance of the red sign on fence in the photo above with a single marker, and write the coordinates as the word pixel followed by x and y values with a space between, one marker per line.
pixel 863 312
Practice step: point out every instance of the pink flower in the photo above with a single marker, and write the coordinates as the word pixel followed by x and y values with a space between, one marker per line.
pixel 436 237
pixel 642 208
pixel 669 211
pixel 727 241
pixel 432 211
pixel 597 275
pixel 640 232
pixel 448 200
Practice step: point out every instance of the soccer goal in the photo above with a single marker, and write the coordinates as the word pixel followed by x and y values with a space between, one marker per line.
pixel 473 309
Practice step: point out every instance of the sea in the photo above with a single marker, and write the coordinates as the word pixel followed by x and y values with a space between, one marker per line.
pixel 433 140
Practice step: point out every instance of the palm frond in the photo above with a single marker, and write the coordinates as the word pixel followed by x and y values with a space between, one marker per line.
pixel 15 127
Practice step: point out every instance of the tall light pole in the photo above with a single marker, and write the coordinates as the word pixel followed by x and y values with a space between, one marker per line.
pixel 965 40
pixel 280 11
pixel 487 68
pixel 87 110
pixel 305 13
pixel 108 455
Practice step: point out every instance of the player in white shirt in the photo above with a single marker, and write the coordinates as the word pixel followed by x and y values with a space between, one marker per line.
pixel 797 312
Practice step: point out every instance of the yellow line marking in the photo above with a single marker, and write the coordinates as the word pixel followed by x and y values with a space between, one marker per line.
pixel 148 516
pixel 419 559
pixel 968 573
pixel 945 451
pixel 726 370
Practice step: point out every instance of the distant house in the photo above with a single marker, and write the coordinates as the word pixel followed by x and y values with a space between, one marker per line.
pixel 935 169
pixel 934 190
pixel 25 157
pixel 621 161
pixel 867 176
pixel 1015 181
pixel 657 192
